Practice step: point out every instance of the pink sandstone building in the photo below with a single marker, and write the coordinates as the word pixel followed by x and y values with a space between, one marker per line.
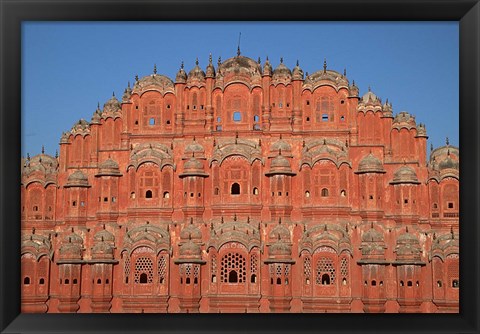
pixel 242 188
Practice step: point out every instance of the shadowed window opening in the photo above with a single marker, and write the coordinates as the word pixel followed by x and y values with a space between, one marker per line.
pixel 325 279
pixel 143 278
pixel 26 280
pixel 235 190
pixel 148 194
pixel 232 277
pixel 41 281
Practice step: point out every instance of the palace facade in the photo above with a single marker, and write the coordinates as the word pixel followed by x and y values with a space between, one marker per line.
pixel 242 188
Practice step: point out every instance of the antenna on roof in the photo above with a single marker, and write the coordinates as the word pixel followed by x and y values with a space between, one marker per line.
pixel 238 48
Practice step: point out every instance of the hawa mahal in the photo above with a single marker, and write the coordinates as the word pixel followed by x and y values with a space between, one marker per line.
pixel 242 188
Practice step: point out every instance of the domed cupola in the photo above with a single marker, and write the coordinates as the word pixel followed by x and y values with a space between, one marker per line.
pixel 112 105
pixel 405 174
pixel 127 94
pixel 108 168
pixel 404 120
pixel 280 245
pixel 280 165
pixel 387 109
pixel 181 76
pixel 210 68
pixel 71 248
pixel 353 89
pixel 370 164
pixel 196 74
pixel 373 243
pixel 157 82
pixel 103 246
pixel 190 244
pixel 421 131
pixel 408 247
pixel 281 74
pixel 195 148
pixel 267 68
pixel 280 145
pixel 193 167
pixel 370 98
pixel 297 73
pixel 444 161
pixel 77 179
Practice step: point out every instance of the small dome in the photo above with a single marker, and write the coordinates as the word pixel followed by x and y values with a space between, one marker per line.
pixel 158 81
pixel 405 174
pixel 196 73
pixel 77 179
pixel 280 248
pixel 370 164
pixel 407 238
pixel 448 163
pixel 210 68
pixel 372 235
pixel 193 164
pixel 190 248
pixel 280 162
pixel 267 68
pixel 193 167
pixel 297 73
pixel 282 72
pixel 239 65
pixel 104 235
pixel 280 145
pixel 191 232
pixel 108 164
pixel 280 165
pixel 181 76
pixel 112 105
pixel 194 148
pixel 369 97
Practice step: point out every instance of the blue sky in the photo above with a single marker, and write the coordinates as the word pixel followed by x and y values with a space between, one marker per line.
pixel 68 67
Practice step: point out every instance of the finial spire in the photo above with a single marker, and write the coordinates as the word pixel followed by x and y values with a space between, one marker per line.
pixel 43 149
pixel 136 77
pixel 154 68
pixel 447 141
pixel 369 89
pixel 298 63
pixel 113 94
pixel 345 72
pixel 196 61
pixel 56 153
pixel 281 60
pixel 210 58
pixel 238 48
pixel 219 61
pixel 431 147
pixel 324 65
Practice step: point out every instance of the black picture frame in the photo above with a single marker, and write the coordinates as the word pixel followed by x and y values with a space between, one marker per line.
pixel 13 12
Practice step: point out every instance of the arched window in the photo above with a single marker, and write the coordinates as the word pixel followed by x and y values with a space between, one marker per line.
pixel 235 190
pixel 325 279
pixel 255 191
pixel 324 192
pixel 75 281
pixel 217 191
pixel 148 194
pixel 99 281
pixel 279 280
pixel 237 116
pixel 67 281
pixel 253 278
pixel 232 277
pixel 233 268
pixel 41 281
pixel 401 283
pixel 439 284
pixel 166 194
pixel 374 283
pixel 343 193
pixel 307 194
pixel 26 280
pixel 455 283
pixel 409 283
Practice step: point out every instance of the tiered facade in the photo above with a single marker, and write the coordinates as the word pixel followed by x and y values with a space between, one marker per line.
pixel 242 189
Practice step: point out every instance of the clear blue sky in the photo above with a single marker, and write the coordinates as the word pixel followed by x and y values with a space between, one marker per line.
pixel 68 67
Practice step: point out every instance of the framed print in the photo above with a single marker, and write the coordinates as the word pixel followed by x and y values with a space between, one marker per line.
pixel 247 174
